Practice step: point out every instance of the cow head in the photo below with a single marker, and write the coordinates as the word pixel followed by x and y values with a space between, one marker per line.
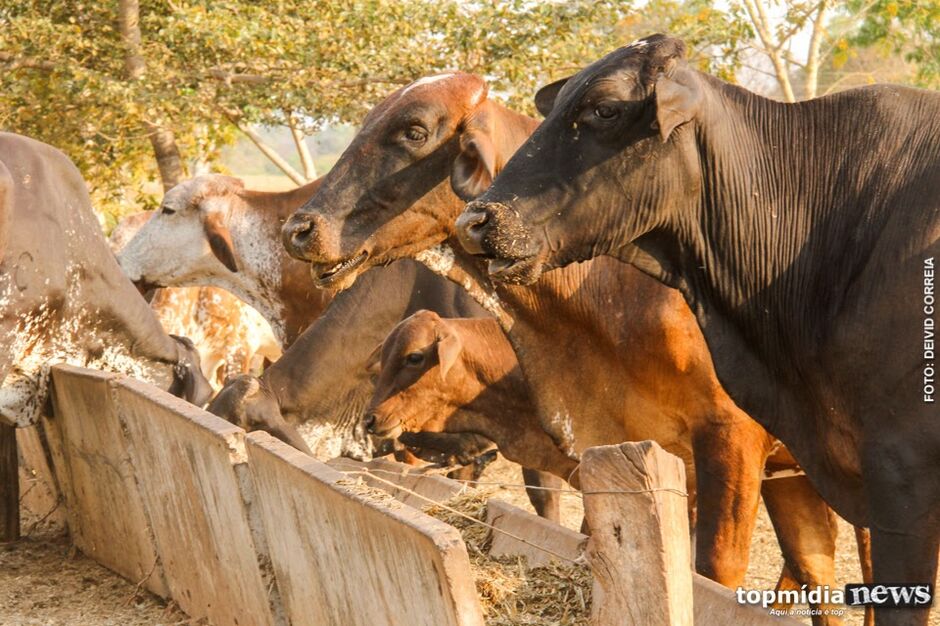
pixel 396 190
pixel 246 402
pixel 613 161
pixel 189 383
pixel 188 241
pixel 421 380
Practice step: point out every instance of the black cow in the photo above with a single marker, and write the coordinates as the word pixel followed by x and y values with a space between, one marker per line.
pixel 801 235
pixel 63 297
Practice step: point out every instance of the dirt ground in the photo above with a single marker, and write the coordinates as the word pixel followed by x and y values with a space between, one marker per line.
pixel 45 582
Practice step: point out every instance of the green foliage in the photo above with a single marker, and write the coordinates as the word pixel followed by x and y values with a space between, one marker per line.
pixel 716 37
pixel 907 27
pixel 63 78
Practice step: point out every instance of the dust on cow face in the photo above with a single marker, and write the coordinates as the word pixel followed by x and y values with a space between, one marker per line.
pixel 388 195
pixel 187 241
pixel 612 161
pixel 420 382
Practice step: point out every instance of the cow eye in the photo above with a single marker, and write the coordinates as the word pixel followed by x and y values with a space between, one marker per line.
pixel 167 210
pixel 414 358
pixel 606 111
pixel 416 134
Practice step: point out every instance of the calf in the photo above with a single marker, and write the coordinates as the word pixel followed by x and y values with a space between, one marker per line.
pixel 459 375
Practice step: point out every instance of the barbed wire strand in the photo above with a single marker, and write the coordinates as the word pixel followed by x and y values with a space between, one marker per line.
pixel 568 491
pixel 464 515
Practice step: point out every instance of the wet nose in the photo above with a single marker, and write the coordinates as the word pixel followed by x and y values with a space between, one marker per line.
pixel 472 226
pixel 369 422
pixel 297 234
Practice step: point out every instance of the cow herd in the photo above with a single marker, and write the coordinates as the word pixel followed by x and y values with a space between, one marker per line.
pixel 666 256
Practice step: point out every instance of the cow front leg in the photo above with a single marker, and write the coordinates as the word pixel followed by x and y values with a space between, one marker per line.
pixel 545 501
pixel 904 515
pixel 806 530
pixel 729 460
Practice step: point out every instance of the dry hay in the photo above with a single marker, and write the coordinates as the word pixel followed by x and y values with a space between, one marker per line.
pixel 356 485
pixel 512 594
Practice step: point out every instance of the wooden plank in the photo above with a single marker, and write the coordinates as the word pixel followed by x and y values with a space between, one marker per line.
pixel 185 460
pixel 40 499
pixel 9 485
pixel 413 479
pixel 106 516
pixel 535 530
pixel 639 547
pixel 716 604
pixel 344 553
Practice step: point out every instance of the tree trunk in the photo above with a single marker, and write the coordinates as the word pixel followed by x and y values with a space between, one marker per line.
pixel 169 161
pixel 813 58
pixel 758 17
pixel 266 150
pixel 168 156
pixel 303 151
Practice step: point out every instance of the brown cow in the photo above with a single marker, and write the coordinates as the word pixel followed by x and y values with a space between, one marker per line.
pixel 610 354
pixel 212 231
pixel 459 375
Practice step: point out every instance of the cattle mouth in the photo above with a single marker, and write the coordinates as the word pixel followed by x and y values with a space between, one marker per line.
pixel 326 275
pixel 388 432
pixel 518 271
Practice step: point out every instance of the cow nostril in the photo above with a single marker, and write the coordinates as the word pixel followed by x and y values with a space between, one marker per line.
pixel 471 228
pixel 369 422
pixel 302 231
pixel 297 233
pixel 478 220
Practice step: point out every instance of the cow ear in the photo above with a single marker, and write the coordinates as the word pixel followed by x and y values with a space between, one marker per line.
pixel 678 98
pixel 545 97
pixel 475 165
pixel 448 350
pixel 374 360
pixel 220 240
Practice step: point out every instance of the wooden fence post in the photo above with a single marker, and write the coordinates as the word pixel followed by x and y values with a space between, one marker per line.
pixel 639 548
pixel 9 485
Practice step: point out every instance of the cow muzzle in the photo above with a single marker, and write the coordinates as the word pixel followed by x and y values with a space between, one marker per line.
pixel 304 236
pixel 494 230
pixel 381 426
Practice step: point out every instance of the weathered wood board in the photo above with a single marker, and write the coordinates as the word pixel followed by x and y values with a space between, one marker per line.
pixel 106 515
pixel 185 460
pixel 39 491
pixel 347 555
pixel 535 530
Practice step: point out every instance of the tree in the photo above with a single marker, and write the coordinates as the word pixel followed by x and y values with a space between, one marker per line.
pixel 182 78
pixel 141 89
